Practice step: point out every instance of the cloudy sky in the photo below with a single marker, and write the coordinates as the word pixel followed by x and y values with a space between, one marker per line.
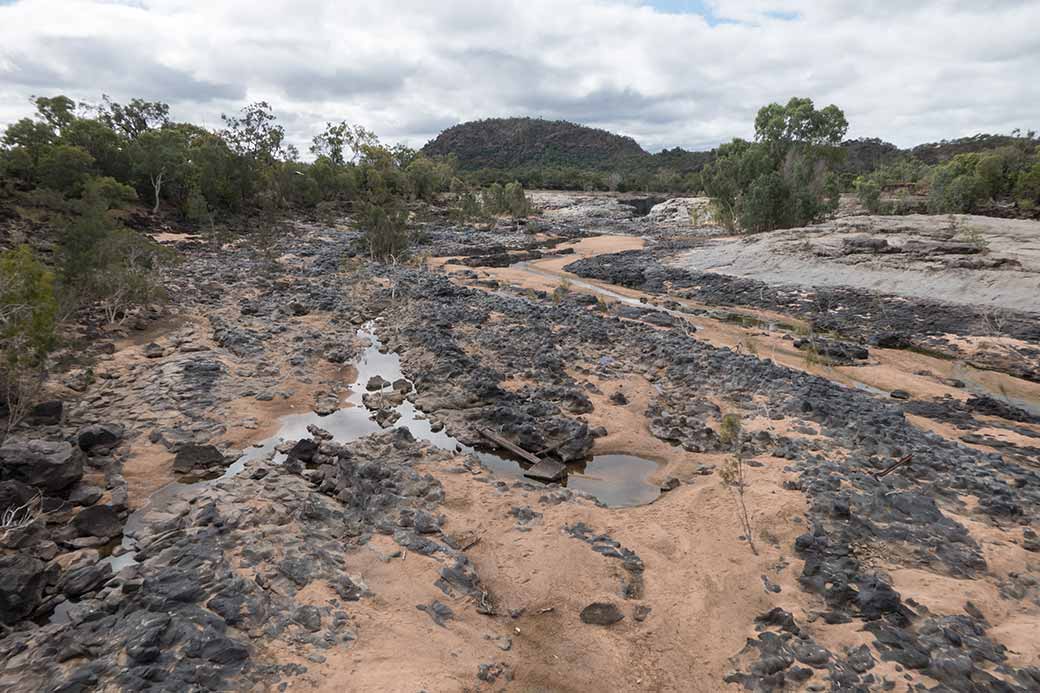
pixel 667 72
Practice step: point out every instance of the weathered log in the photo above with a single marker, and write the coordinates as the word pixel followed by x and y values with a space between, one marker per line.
pixel 509 445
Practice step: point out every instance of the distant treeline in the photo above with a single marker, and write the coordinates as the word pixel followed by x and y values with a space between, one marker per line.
pixel 565 156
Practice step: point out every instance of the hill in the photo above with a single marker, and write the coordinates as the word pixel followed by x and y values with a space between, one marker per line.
pixel 506 143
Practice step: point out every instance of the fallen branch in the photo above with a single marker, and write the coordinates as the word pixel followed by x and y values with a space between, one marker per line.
pixel 509 445
pixel 892 467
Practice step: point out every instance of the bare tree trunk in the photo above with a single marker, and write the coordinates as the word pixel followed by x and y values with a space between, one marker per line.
pixel 157 182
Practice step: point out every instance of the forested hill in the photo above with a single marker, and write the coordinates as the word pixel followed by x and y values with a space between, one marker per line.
pixel 506 143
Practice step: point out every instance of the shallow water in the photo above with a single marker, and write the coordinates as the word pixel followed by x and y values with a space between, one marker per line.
pixel 615 480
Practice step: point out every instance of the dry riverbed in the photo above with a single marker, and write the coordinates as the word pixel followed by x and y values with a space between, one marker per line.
pixel 286 484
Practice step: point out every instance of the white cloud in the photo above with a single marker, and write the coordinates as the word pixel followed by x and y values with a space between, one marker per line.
pixel 906 72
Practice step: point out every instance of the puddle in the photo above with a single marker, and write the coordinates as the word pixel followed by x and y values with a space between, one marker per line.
pixel 615 480
pixel 620 481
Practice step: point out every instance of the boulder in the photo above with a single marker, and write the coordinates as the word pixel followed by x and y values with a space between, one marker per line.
pixel 46 413
pixel 21 587
pixel 193 456
pixel 99 436
pixel 85 494
pixel 14 494
pixel 51 465
pixel 376 382
pixel 685 212
pixel 601 614
pixel 98 521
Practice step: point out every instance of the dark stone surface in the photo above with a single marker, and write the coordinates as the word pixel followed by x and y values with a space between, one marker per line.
pixel 601 614
pixel 46 464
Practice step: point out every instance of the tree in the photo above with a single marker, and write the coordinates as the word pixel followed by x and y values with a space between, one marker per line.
pixel 109 148
pixel 338 139
pixel 255 134
pixel 106 192
pixel 160 157
pixel 784 178
pixel 799 123
pixel 385 230
pixel 30 139
pixel 58 112
pixel 135 118
pixel 65 168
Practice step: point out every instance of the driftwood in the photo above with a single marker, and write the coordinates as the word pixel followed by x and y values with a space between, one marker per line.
pixel 541 469
pixel 509 445
pixel 547 470
pixel 894 466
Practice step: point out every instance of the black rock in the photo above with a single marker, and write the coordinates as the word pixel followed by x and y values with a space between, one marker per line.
pixel 304 450
pixel 46 413
pixel 309 617
pixel 99 436
pixel 601 614
pixel 46 464
pixel 152 350
pixel 192 456
pixel 14 494
pixel 98 521
pixel 21 587
pixel 438 612
pixel 376 382
pixel 78 582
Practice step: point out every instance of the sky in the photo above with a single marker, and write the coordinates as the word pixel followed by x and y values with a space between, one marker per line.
pixel 689 73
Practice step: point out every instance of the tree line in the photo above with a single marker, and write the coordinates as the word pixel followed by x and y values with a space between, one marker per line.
pixel 82 166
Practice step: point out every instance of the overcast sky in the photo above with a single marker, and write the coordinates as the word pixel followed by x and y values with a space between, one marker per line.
pixel 668 73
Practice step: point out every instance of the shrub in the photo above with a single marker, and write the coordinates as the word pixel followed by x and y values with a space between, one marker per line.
pixel 518 204
pixel 107 192
pixel 28 314
pixel 385 231
pixel 954 192
pixel 196 210
pixel 868 191
pixel 112 267
pixel 1027 188
pixel 65 168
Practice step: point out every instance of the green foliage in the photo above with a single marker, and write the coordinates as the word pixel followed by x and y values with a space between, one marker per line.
pixel 729 429
pixel 334 143
pixel 385 231
pixel 105 265
pixel 65 168
pixel 108 148
pixel 107 193
pixel 970 180
pixel 161 158
pixel 135 118
pixel 27 141
pixel 426 176
pixel 868 191
pixel 467 207
pixel 28 315
pixel 28 309
pixel 784 178
pixel 955 188
pixel 196 210
pixel 255 134
pixel 799 124
pixel 1027 187
pixel 58 112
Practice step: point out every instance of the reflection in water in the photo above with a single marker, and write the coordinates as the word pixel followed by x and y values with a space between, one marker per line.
pixel 615 480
